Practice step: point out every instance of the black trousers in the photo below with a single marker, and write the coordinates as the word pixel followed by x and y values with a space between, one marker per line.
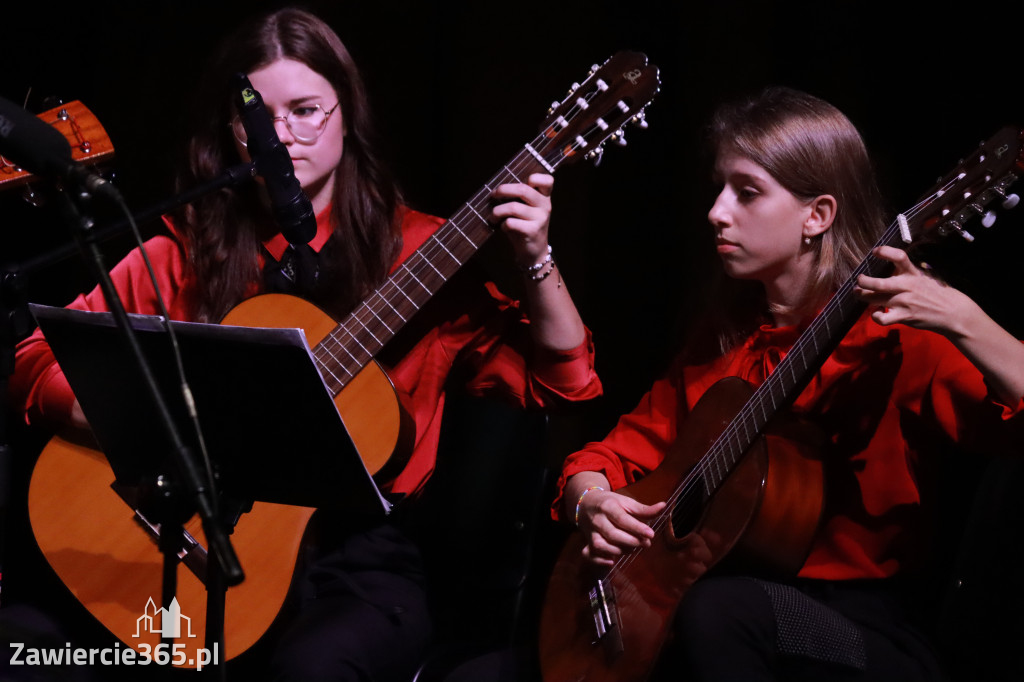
pixel 359 610
pixel 734 628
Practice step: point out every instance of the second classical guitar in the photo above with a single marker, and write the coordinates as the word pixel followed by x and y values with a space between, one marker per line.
pixel 730 475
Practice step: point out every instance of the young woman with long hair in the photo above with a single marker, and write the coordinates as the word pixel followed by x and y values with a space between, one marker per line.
pixel 923 368
pixel 361 612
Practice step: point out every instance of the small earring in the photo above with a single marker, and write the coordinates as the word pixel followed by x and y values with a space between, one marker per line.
pixel 807 241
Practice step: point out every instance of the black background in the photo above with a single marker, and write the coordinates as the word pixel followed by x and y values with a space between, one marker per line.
pixel 458 87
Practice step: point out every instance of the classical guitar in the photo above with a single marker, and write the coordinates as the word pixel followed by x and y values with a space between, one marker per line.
pixel 727 474
pixel 89 142
pixel 107 557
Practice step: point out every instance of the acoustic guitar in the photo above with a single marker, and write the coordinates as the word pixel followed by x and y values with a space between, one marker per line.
pixel 103 549
pixel 89 142
pixel 730 473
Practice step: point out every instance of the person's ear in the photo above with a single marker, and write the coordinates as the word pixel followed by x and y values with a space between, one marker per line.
pixel 821 215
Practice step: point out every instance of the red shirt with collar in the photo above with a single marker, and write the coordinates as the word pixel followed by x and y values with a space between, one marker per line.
pixel 487 335
pixel 890 401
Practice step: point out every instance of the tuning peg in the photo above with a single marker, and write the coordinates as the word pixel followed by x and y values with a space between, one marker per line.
pixel 593 69
pixel 640 121
pixel 955 225
pixel 1011 201
pixel 553 107
pixel 595 155
pixel 989 219
pixel 619 137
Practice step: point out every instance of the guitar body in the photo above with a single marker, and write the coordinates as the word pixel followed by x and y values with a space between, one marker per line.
pixel 755 514
pixel 369 407
pixel 91 539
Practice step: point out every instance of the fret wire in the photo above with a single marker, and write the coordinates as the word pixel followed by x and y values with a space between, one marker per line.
pixel 325 369
pixel 718 469
pixel 734 451
pixel 459 229
pixel 355 317
pixel 386 300
pixel 340 362
pixel 423 268
pixel 406 268
pixel 358 343
pixel 401 290
pixel 450 254
pixel 379 319
pixel 427 261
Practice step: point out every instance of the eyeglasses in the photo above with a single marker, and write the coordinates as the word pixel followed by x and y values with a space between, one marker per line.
pixel 306 123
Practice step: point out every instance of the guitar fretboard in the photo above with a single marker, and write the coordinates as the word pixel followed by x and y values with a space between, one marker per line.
pixel 792 374
pixel 354 343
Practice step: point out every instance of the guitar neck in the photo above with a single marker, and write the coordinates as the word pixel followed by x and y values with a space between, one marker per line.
pixel 354 343
pixel 793 373
pixel 597 110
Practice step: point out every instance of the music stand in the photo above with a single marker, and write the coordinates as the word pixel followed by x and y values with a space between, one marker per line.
pixel 270 425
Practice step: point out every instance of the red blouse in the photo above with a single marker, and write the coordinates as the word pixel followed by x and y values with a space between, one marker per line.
pixel 889 399
pixel 488 335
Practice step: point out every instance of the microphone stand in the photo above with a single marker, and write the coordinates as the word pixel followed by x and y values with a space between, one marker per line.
pixel 15 324
pixel 187 493
pixel 231 177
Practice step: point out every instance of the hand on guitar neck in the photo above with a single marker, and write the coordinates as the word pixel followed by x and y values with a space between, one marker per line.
pixel 524 215
pixel 912 296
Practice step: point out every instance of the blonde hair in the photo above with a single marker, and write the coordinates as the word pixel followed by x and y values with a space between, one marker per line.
pixel 811 149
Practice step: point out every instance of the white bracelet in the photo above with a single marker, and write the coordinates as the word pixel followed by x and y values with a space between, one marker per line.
pixel 533 269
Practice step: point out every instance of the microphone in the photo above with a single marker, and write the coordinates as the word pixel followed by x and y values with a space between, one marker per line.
pixel 292 209
pixel 41 149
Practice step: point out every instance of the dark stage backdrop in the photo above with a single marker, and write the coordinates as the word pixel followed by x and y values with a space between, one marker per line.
pixel 458 87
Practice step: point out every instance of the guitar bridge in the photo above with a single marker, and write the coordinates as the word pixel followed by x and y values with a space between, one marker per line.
pixel 606 617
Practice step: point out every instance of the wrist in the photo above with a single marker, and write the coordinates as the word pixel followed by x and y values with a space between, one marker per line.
pixel 579 502
pixel 541 269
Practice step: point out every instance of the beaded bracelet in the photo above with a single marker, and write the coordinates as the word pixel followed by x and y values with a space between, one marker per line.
pixel 579 501
pixel 533 269
pixel 540 276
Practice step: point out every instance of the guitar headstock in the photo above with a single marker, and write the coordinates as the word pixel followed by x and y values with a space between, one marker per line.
pixel 89 142
pixel 966 193
pixel 613 95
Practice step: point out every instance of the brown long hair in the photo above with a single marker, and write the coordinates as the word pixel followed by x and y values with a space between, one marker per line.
pixel 223 230
pixel 811 148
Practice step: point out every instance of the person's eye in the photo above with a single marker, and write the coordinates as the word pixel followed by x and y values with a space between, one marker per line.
pixel 747 193
pixel 304 112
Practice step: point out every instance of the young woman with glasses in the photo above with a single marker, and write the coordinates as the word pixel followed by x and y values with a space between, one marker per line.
pixel 363 612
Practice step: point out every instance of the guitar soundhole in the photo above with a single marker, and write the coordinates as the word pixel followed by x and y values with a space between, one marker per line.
pixel 686 514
